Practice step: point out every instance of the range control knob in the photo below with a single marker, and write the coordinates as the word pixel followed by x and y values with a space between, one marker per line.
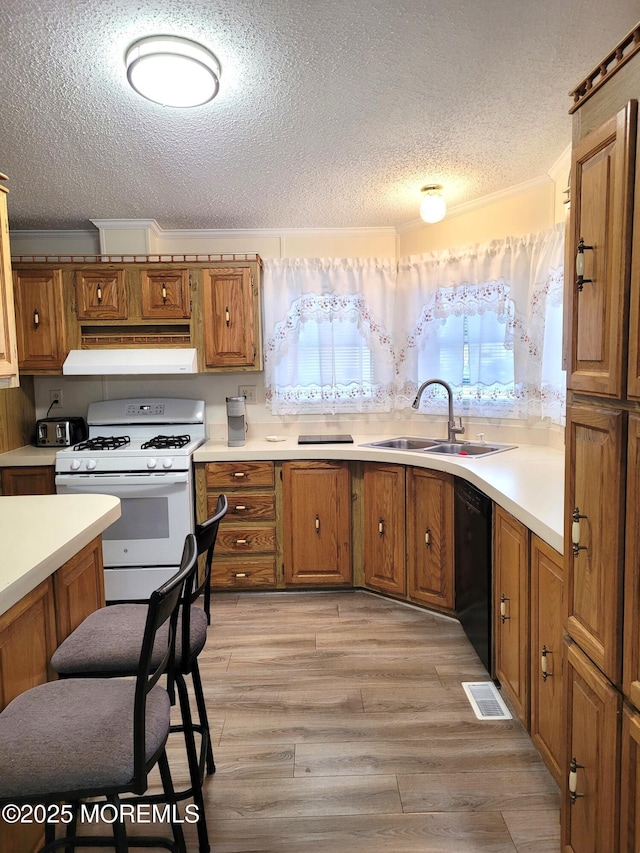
pixel 75 464
pixel 152 462
pixel 91 464
pixel 167 462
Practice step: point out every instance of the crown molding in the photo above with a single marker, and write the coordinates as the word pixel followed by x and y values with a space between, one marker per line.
pixel 562 166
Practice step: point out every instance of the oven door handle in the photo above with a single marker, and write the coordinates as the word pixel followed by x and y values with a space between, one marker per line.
pixel 96 481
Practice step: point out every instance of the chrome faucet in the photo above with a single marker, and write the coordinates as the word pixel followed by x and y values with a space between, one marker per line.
pixel 452 429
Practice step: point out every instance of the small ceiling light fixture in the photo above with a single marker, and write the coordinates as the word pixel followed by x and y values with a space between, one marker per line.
pixel 173 71
pixel 433 206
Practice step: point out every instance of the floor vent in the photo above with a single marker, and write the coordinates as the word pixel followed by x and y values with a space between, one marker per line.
pixel 485 700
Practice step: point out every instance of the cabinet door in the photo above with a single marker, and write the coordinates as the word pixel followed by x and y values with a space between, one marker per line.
pixel 594 494
pixel 429 509
pixel 28 481
pixel 78 588
pixel 384 529
pixel 317 523
pixel 229 330
pixel 631 647
pixel 101 294
pixel 602 170
pixel 40 320
pixel 630 782
pixel 8 346
pixel 589 822
pixel 547 620
pixel 165 295
pixel 511 609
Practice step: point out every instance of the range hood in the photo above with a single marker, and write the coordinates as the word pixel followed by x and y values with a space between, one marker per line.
pixel 129 362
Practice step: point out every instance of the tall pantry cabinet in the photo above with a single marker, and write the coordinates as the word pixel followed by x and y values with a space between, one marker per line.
pixel 601 761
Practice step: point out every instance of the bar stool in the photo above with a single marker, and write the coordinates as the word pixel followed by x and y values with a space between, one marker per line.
pixel 107 644
pixel 79 738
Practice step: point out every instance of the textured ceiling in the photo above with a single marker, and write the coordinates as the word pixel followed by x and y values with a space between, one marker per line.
pixel 331 113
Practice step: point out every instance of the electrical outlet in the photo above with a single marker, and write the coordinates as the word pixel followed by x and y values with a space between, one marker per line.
pixel 55 396
pixel 248 391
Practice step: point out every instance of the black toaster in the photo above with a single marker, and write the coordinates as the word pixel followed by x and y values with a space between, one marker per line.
pixel 60 432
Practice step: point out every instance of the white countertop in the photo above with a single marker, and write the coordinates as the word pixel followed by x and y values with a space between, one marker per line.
pixel 39 533
pixel 28 455
pixel 527 481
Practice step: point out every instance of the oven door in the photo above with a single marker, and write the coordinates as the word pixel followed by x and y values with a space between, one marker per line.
pixel 156 514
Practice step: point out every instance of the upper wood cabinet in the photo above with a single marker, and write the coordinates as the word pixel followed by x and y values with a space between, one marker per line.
pixel 8 345
pixel 384 527
pixel 602 170
pixel 317 523
pixel 229 318
pixel 101 294
pixel 40 319
pixel 164 294
pixel 593 532
pixel 511 609
pixel 430 562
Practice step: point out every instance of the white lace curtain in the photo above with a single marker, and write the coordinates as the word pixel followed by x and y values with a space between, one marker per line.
pixel 328 345
pixel 498 306
pixel 346 335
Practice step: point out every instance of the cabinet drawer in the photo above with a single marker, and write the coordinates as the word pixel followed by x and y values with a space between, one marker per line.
pixel 248 573
pixel 239 474
pixel 253 507
pixel 245 540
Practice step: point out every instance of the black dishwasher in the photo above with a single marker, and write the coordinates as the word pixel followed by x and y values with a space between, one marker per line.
pixel 472 523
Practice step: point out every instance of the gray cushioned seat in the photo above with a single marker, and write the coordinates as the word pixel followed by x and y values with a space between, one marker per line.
pixel 50 742
pixel 110 639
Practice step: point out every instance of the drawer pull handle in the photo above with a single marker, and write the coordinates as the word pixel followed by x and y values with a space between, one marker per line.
pixel 580 279
pixel 575 533
pixel 242 541
pixel 99 294
pixel 164 292
pixel 227 316
pixel 36 318
pixel 239 508
pixel 381 527
pixel 503 608
pixel 544 663
pixel 239 474
pixel 317 524
pixel 241 574
pixel 427 537
pixel 573 779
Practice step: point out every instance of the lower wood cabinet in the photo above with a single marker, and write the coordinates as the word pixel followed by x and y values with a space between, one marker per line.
pixel 630 787
pixel 383 525
pixel 246 547
pixel 547 621
pixel 591 758
pixel 511 609
pixel 28 480
pixel 430 558
pixel 78 589
pixel 316 500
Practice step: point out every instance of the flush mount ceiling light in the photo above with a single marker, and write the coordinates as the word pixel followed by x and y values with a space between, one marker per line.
pixel 173 71
pixel 433 206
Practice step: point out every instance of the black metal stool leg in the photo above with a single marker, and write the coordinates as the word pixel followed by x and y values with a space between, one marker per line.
pixel 194 764
pixel 202 716
pixel 170 794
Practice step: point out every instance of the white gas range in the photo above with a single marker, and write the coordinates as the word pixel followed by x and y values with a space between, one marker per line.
pixel 140 451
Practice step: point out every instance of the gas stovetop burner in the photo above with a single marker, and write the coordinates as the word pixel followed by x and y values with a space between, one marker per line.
pixel 164 442
pixel 102 442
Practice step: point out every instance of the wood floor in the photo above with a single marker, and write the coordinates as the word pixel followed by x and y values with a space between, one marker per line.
pixel 339 726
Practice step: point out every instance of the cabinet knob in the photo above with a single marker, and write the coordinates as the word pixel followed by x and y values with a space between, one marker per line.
pixel 317 524
pixel 381 527
pixel 242 541
pixel 573 779
pixel 240 574
pixel 544 663
pixel 36 318
pixel 580 279
pixel 164 292
pixel 227 316
pixel 99 294
pixel 427 537
pixel 239 474
pixel 239 507
pixel 503 608
pixel 575 532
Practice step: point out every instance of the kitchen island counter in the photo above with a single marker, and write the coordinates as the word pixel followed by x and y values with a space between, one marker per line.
pixel 527 481
pixel 40 533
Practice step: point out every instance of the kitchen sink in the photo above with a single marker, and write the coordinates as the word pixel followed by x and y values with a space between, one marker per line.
pixel 406 443
pixel 438 445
